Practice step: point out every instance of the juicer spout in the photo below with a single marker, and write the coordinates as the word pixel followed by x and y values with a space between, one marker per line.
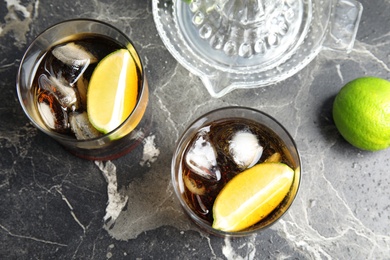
pixel 344 25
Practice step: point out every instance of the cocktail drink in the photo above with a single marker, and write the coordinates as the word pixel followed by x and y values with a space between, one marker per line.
pixel 82 83
pixel 235 170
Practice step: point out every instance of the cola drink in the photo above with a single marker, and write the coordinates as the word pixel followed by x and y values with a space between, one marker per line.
pixel 61 81
pixel 220 150
pixel 52 86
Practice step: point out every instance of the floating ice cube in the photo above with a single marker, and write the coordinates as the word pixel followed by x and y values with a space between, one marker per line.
pixel 201 157
pixel 51 112
pixel 74 55
pixel 81 127
pixel 65 94
pixel 76 58
pixel 245 149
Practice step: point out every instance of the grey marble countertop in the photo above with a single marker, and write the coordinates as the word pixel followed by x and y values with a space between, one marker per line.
pixel 52 204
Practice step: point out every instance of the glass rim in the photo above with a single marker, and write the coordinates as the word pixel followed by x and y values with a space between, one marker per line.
pixel 66 138
pixel 174 173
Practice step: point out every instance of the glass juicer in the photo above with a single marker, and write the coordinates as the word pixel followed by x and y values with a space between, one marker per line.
pixel 237 44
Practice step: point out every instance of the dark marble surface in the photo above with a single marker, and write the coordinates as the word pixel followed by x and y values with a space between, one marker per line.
pixel 53 204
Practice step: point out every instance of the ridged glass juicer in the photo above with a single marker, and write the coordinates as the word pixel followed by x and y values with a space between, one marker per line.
pixel 232 44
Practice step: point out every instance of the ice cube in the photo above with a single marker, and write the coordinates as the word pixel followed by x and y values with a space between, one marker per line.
pixel 73 54
pixel 81 127
pixel 52 113
pixel 245 149
pixel 65 94
pixel 77 59
pixel 201 157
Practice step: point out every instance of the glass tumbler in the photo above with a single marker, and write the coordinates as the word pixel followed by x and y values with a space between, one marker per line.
pixel 203 162
pixel 98 37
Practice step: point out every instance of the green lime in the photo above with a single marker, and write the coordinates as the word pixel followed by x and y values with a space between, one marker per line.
pixel 361 112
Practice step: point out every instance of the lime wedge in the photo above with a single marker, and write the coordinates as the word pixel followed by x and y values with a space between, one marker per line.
pixel 251 196
pixel 112 91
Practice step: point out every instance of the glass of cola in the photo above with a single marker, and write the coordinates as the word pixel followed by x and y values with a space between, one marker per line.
pixel 53 83
pixel 221 145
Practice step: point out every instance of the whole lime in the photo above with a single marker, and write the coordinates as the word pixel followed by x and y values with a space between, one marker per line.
pixel 361 112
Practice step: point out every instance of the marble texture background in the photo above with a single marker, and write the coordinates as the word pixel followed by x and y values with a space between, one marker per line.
pixel 52 204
